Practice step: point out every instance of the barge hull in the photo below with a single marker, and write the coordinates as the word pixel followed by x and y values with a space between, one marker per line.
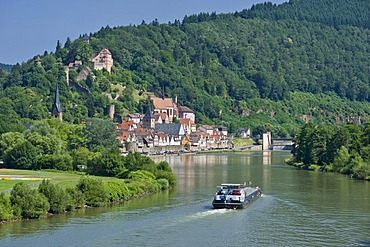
pixel 229 204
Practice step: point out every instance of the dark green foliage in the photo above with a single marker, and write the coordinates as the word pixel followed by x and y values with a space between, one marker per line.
pixel 28 203
pixel 6 67
pixel 341 12
pixel 100 132
pixel 164 166
pixel 164 171
pixel 226 67
pixel 56 196
pixel 341 149
pixel 76 198
pixel 21 156
pixel 93 190
pixel 106 162
pixel 169 176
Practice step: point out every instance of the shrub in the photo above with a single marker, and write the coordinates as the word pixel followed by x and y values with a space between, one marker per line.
pixel 75 198
pixel 57 197
pixel 6 211
pixel 116 190
pixel 141 175
pixel 169 176
pixel 164 166
pixel 163 183
pixel 93 190
pixel 28 203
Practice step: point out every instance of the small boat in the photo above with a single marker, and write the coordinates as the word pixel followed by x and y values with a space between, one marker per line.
pixel 233 196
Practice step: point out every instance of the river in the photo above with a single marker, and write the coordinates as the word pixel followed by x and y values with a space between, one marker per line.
pixel 297 208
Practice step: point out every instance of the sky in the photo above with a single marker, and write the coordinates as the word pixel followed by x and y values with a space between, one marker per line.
pixel 30 27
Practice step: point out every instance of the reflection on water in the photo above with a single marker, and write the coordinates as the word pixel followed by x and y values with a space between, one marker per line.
pixel 298 208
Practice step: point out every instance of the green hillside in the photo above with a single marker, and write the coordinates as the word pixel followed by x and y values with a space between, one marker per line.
pixel 257 68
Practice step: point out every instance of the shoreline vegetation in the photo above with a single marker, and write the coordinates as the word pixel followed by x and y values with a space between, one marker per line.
pixel 55 196
pixel 341 149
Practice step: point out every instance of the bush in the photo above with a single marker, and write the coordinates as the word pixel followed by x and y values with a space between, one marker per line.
pixel 117 191
pixel 75 198
pixel 93 190
pixel 164 166
pixel 163 183
pixel 6 211
pixel 57 197
pixel 28 203
pixel 169 176
pixel 314 167
pixel 141 175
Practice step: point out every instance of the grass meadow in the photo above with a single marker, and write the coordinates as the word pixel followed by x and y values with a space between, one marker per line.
pixel 60 178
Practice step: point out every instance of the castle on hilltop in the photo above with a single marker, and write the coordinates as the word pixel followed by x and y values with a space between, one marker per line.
pixel 103 60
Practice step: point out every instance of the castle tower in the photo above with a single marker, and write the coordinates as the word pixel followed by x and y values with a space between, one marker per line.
pixel 266 141
pixel 66 70
pixel 56 111
pixel 149 119
pixel 111 111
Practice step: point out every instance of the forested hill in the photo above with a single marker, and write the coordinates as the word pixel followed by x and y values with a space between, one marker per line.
pixel 329 12
pixel 6 67
pixel 231 70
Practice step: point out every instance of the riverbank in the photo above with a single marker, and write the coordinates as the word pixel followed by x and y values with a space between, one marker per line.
pixel 78 190
pixel 204 151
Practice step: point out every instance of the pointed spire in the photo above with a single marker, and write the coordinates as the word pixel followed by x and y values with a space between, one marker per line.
pixel 149 119
pixel 148 113
pixel 163 91
pixel 57 106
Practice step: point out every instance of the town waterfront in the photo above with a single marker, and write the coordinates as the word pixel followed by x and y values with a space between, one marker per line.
pixel 298 208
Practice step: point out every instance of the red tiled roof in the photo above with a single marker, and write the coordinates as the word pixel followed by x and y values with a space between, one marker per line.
pixel 185 121
pixel 184 109
pixel 165 103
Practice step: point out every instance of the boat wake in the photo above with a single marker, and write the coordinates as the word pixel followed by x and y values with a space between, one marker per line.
pixel 210 212
pixel 207 213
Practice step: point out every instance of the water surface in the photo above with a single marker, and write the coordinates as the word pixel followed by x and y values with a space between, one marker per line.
pixel 298 208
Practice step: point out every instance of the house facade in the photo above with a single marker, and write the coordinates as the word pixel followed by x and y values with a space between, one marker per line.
pixel 103 60
pixel 186 113
pixel 165 105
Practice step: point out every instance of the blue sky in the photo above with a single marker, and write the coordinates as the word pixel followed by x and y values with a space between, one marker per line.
pixel 30 27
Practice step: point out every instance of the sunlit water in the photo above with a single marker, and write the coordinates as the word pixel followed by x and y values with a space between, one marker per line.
pixel 298 208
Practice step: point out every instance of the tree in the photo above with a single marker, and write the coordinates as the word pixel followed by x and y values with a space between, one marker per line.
pixel 100 132
pixel 28 203
pixel 56 196
pixel 9 140
pixel 81 157
pixel 341 160
pixel 21 156
pixel 67 44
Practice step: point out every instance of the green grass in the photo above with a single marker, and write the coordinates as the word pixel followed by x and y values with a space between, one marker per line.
pixel 8 184
pixel 63 179
pixel 239 142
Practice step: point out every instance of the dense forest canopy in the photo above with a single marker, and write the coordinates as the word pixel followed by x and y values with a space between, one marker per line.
pixel 329 12
pixel 270 67
pixel 6 67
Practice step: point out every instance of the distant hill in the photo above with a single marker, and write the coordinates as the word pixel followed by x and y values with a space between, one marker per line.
pixel 267 68
pixel 329 12
pixel 6 67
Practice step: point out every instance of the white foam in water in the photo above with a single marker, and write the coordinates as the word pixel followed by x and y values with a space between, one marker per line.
pixel 206 213
pixel 210 212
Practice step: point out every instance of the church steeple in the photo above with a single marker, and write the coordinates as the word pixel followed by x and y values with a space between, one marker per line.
pixel 149 119
pixel 56 111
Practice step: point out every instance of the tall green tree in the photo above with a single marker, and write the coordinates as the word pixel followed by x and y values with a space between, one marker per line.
pixel 100 132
